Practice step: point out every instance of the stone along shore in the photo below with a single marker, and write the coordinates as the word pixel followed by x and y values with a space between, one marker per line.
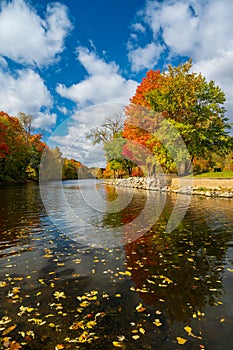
pixel 184 185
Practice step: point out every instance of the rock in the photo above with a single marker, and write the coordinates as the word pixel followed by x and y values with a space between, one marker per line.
pixel 208 194
pixel 161 183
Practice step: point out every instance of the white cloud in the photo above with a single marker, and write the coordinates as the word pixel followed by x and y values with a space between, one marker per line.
pixel 138 27
pixel 26 92
pixel 74 144
pixel 145 57
pixel 104 83
pixel 44 120
pixel 63 110
pixel 28 39
pixel 103 93
pixel 198 29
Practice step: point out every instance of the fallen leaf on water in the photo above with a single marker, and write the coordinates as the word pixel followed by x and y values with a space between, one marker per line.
pixel 140 308
pixel 126 273
pixel 9 329
pixel 14 346
pixel 149 281
pixel 91 324
pixel 59 295
pixel 135 337
pixel 118 344
pixel 3 284
pixel 59 347
pixel 142 330
pixel 84 303
pixel 180 340
pixel 157 322
pixel 37 321
pixel 188 329
pixel 77 325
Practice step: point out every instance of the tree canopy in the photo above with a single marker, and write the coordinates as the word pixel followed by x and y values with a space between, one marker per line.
pixel 181 100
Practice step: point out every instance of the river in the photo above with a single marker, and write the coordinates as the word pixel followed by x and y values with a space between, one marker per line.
pixel 94 267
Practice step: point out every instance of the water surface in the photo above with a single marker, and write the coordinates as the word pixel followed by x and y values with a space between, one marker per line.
pixel 75 280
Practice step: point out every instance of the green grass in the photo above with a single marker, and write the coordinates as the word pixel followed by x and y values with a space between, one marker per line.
pixel 213 175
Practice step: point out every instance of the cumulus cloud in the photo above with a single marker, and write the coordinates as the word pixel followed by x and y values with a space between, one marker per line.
pixel 103 84
pixel 74 144
pixel 138 27
pixel 103 93
pixel 198 29
pixel 25 91
pixel 27 38
pixel 145 57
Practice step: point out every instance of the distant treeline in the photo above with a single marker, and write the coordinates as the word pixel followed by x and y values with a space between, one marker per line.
pixel 21 153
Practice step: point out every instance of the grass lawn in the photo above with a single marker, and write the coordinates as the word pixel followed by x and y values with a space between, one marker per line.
pixel 222 174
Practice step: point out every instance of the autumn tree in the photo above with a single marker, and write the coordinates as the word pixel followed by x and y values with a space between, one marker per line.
pixel 185 105
pixel 13 161
pixel 195 107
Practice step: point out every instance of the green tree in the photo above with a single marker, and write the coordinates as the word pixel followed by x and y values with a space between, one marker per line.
pixel 110 134
pixel 195 108
pixel 114 155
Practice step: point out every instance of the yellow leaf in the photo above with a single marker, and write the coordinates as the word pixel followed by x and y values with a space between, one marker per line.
pixel 188 329
pixel 9 329
pixel 135 337
pixel 30 309
pixel 118 344
pixel 157 322
pixel 59 295
pixel 77 325
pixel 140 308
pixel 191 260
pixel 49 315
pixel 84 303
pixel 149 281
pixel 142 330
pixel 59 347
pixel 52 325
pixel 180 340
pixel 91 324
pixel 126 273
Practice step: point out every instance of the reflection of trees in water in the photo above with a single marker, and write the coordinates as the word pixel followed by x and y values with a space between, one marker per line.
pixel 19 214
pixel 181 269
pixel 129 212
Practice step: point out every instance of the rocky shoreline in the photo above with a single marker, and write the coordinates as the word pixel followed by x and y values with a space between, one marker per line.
pixel 165 184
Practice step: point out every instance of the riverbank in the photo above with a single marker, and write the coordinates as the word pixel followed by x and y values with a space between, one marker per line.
pixel 183 185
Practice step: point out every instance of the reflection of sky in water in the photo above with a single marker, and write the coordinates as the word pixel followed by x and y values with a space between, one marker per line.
pixel 81 212
pixel 174 275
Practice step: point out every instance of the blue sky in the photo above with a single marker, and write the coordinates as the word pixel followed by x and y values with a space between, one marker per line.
pixel 78 61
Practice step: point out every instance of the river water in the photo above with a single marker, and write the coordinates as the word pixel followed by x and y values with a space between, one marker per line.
pixel 94 267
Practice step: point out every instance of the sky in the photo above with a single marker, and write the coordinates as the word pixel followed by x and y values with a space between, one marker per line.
pixel 72 63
